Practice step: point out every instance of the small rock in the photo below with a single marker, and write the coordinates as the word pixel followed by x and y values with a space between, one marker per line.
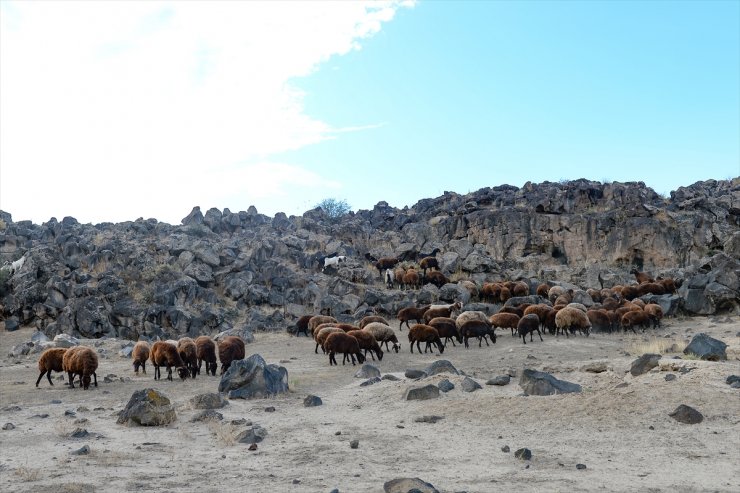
pixel 421 393
pixel 595 367
pixel 210 400
pixel 55 401
pixel 580 466
pixel 407 485
pixel 414 374
pixel 469 385
pixel 8 426
pixel 687 414
pixel 40 416
pixel 81 451
pixel 148 407
pixel 390 377
pixel 428 419
pixel 651 427
pixel 81 421
pixel 253 447
pixel 370 381
pixel 207 415
pixel 252 435
pixel 82 409
pixel 241 421
pixel 499 380
pixel 79 433
pixel 644 364
pixel 368 371
pixel 445 385
pixel 707 348
pixel 732 379
pixel 270 409
pixel 354 443
pixel 735 385
pixel 335 490
pixel 69 412
pixel 441 366
pixel 523 454
pixel 531 356
pixel 506 449
pixel 670 377
pixel 296 481
pixel 337 433
pixel 542 383
pixel 312 401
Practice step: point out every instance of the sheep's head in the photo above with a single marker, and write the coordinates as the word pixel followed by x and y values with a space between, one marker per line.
pixel 182 372
pixel 360 358
pixel 86 382
pixel 396 347
pixel 441 347
pixel 379 352
pixel 137 364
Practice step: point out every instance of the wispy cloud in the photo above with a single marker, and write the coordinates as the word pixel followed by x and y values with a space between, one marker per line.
pixel 124 109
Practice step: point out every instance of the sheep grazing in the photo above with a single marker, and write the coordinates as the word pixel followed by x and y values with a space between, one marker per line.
pixel 321 335
pixel 655 314
pixel 347 327
pixel 477 328
pixel 301 325
pixel 205 350
pixel 317 320
pixel 411 313
pixel 505 294
pixel 436 311
pixel 188 353
pixel 528 325
pixel 370 319
pixel 542 290
pixel 230 349
pixel 165 354
pixel 82 361
pixel 610 304
pixel 50 360
pixel 541 310
pixel 491 291
pixel 386 263
pixel 550 324
pixel 140 354
pixel 504 321
pixel 578 306
pixel 554 292
pixel 411 278
pixel 424 333
pixel 367 343
pixel 595 294
pixel 446 328
pixel 520 289
pixel 570 319
pixel 632 319
pixel 383 334
pixel 390 278
pixel 641 276
pixel 428 263
pixel 630 292
pixel 333 261
pixel 600 320
pixel 437 278
pixel 340 342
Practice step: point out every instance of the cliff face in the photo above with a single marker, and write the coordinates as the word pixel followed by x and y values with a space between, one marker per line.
pixel 223 269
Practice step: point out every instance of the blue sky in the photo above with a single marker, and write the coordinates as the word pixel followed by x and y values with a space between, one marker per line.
pixel 158 107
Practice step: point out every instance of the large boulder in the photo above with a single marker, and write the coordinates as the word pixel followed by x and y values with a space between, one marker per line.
pixel 542 383
pixel 148 407
pixel 253 377
pixel 707 348
pixel 441 366
pixel 421 393
pixel 713 286
pixel 406 485
pixel 644 364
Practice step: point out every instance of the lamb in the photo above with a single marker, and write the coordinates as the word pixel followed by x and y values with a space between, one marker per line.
pixel 15 266
pixel 383 334
pixel 50 360
pixel 340 342
pixel 390 278
pixel 423 333
pixel 230 349
pixel 334 261
pixel 655 314
pixel 188 353
pixel 528 325
pixel 441 311
pixel 411 278
pixel 600 319
pixel 205 350
pixel 367 343
pixel 301 325
pixel 428 263
pixel 437 278
pixel 504 321
pixel 321 336
pixel 570 319
pixel 479 329
pixel 634 318
pixel 370 319
pixel 82 361
pixel 140 354
pixel 446 328
pixel 317 320
pixel 411 313
pixel 641 276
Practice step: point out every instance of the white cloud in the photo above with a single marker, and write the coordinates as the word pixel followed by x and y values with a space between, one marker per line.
pixel 114 110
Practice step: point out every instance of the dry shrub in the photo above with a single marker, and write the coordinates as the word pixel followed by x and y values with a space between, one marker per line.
pixel 225 432
pixel 28 474
pixel 656 345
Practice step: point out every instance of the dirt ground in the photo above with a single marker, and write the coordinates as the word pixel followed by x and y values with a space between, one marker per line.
pixel 618 426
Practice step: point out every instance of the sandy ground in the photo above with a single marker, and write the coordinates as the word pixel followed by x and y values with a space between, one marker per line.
pixel 622 433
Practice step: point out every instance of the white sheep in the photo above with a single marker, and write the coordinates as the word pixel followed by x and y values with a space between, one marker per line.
pixel 390 278
pixel 334 261
pixel 15 266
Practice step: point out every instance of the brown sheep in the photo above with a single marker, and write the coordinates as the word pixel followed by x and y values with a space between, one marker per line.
pixel 370 319
pixel 386 263
pixel 140 354
pixel 347 327
pixel 469 315
pixel 165 354
pixel 423 333
pixel 230 349
pixel 641 276
pixel 428 263
pixel 655 314
pixel 504 321
pixel 505 294
pixel 188 353
pixel 595 294
pixel 446 328
pixel 610 304
pixel 520 289
pixel 630 292
pixel 600 320
pixel 441 311
pixel 301 325
pixel 540 310
pixel 669 285
pixel 639 302
pixel 367 343
pixel 437 278
pixel 50 360
pixel 550 324
pixel 340 342
pixel 411 278
pixel 630 320
pixel 411 313
pixel 650 288
pixel 516 310
pixel 205 350
pixel 528 324
pixel 570 319
pixel 398 274
pixel 491 291
pixel 479 329
pixel 317 320
pixel 82 361
pixel 542 290
pixel 321 335
pixel 554 292
pixel 383 334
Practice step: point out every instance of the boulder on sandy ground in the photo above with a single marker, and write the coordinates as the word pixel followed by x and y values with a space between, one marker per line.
pixel 687 414
pixel 441 366
pixel 421 393
pixel 405 485
pixel 210 400
pixel 469 385
pixel 706 348
pixel 253 377
pixel 368 371
pixel 541 383
pixel 644 364
pixel 148 407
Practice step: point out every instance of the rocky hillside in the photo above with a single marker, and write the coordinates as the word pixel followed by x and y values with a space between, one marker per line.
pixel 222 270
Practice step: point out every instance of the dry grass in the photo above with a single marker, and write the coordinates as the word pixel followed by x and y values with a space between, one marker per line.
pixel 656 345
pixel 28 474
pixel 76 488
pixel 225 432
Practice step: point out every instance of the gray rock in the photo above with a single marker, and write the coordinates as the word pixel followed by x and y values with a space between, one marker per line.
pixel 706 348
pixel 735 385
pixel 312 401
pixel 148 407
pixel 367 371
pixel 8 426
pixel 11 324
pixel 580 467
pixel 687 414
pixel 441 366
pixel 66 340
pixel 390 377
pixel 354 443
pixel 405 485
pixel 370 381
pixel 414 374
pixel 505 449
pixel 670 377
pixel 595 367
pixel 445 385
pixel 39 337
pixel 20 349
pixel 255 434
pixel 732 379
pixel 669 303
pixel 210 400
pixel 79 433
pixel 523 454
pixel 126 351
pixel 644 364
pixel 541 383
pixel 253 377
pixel 469 385
pixel 421 393
pixel 207 415
pixel 85 450
pixel 428 419
pixel 499 380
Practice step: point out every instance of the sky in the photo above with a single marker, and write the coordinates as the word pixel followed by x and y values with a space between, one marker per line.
pixel 111 111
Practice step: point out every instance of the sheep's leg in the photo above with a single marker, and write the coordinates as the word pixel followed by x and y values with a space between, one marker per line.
pixel 71 380
pixel 41 375
pixel 95 378
pixel 418 346
pixel 524 338
pixel 539 334
pixel 169 373
pixel 143 368
pixel 486 339
pixel 371 355
pixel 316 350
pixel 412 347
